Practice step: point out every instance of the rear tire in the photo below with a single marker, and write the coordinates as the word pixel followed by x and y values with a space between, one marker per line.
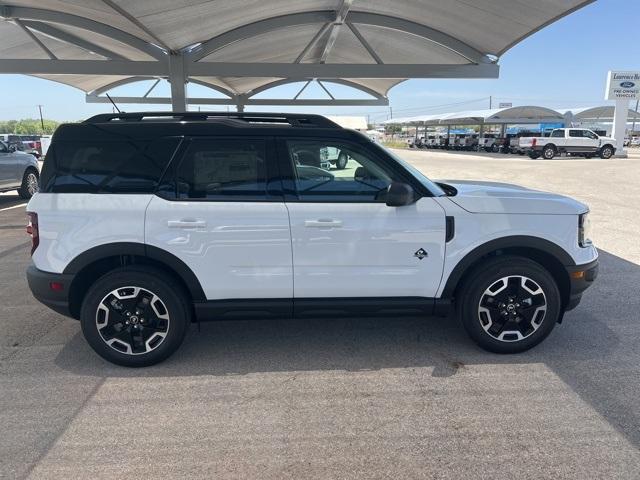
pixel 341 162
pixel 30 183
pixel 509 304
pixel 135 316
pixel 548 152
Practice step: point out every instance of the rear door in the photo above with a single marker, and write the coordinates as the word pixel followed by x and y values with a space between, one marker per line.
pixel 346 241
pixel 219 212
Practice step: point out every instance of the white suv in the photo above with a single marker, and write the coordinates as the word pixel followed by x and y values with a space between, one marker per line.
pixel 146 222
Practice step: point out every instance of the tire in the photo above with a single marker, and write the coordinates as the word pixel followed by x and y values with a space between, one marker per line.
pixel 28 188
pixel 606 152
pixel 495 148
pixel 549 152
pixel 341 162
pixel 160 322
pixel 526 326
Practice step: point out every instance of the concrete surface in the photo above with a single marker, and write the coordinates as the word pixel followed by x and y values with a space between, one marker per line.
pixel 333 398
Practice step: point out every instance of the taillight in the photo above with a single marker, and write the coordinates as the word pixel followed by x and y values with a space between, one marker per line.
pixel 533 142
pixel 32 229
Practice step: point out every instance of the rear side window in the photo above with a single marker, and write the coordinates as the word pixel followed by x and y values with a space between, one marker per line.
pixel 223 169
pixel 107 167
pixel 557 133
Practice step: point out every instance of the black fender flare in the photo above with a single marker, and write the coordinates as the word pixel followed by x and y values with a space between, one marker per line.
pixel 514 241
pixel 139 249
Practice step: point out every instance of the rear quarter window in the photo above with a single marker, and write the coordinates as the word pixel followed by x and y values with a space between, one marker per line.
pixel 107 166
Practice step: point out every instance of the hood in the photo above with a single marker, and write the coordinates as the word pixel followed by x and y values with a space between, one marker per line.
pixel 493 197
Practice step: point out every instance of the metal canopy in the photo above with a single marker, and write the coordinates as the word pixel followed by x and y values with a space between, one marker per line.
pixel 512 115
pixel 242 47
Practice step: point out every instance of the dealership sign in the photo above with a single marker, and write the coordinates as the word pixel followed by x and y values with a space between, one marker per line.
pixel 623 86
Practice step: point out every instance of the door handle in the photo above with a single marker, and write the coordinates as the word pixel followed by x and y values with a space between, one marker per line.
pixel 323 223
pixel 186 223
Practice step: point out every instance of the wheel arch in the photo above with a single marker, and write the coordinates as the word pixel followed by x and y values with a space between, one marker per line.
pixel 99 260
pixel 550 255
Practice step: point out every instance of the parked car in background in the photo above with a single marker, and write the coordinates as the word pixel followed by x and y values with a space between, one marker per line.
pixel 18 171
pixel 487 141
pixel 575 141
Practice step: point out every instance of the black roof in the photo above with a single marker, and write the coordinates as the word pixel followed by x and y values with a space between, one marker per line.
pixel 149 125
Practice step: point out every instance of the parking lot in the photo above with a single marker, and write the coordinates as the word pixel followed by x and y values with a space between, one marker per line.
pixel 335 398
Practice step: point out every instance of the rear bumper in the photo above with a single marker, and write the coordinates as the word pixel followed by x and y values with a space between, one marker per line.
pixel 581 278
pixel 40 284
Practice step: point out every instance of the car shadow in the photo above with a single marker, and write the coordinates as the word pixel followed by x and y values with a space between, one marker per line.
pixel 8 200
pixel 594 351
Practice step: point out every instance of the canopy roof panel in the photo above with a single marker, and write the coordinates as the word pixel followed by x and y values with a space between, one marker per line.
pixel 243 45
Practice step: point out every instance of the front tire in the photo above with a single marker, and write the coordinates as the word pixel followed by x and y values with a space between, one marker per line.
pixel 509 304
pixel 30 184
pixel 606 153
pixel 135 316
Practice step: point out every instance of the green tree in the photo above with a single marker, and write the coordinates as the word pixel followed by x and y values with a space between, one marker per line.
pixel 28 126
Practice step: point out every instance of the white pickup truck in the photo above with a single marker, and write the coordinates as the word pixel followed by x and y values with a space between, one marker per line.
pixel 576 141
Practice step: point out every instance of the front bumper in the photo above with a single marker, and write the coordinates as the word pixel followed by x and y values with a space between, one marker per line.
pixel 41 285
pixel 581 277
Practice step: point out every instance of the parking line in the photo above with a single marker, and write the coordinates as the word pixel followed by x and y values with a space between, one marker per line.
pixel 15 206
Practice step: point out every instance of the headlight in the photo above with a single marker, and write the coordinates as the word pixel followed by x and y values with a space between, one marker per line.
pixel 584 230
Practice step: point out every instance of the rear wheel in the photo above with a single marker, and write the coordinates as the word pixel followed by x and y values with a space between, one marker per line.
pixel 341 162
pixel 135 316
pixel 509 304
pixel 30 184
pixel 549 152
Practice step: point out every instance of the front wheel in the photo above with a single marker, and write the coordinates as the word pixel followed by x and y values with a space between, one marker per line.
pixel 135 316
pixel 509 304
pixel 606 152
pixel 30 184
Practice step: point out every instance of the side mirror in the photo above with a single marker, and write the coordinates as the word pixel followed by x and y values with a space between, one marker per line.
pixel 400 194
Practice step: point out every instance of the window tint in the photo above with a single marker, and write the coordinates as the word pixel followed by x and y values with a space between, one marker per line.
pixel 107 167
pixel 223 169
pixel 334 171
pixel 557 133
pixel 589 134
pixel 575 133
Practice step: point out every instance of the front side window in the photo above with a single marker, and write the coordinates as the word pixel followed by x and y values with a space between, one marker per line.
pixel 223 169
pixel 557 133
pixel 590 134
pixel 333 171
pixel 575 133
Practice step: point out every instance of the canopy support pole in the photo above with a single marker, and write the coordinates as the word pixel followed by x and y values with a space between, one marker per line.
pixel 178 81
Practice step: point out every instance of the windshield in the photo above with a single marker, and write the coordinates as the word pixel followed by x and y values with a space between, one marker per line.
pixel 422 178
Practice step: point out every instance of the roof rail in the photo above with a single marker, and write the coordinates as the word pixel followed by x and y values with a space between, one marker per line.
pixel 293 119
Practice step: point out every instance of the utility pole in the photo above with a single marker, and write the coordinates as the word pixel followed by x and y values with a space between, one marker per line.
pixel 390 112
pixel 490 101
pixel 41 120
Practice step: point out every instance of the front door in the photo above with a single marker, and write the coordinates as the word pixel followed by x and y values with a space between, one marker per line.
pixel 222 221
pixel 346 241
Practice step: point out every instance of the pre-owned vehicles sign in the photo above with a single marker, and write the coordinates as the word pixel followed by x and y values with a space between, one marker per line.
pixel 623 85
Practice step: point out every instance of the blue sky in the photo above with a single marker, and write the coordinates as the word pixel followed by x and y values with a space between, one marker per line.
pixel 563 65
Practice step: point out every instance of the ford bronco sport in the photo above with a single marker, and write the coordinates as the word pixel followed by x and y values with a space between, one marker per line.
pixel 146 222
